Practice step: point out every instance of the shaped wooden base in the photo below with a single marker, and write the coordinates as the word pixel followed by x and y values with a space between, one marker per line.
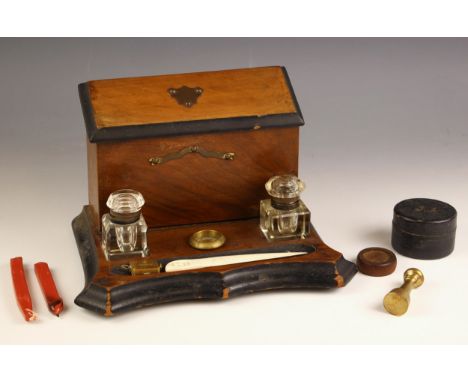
pixel 109 292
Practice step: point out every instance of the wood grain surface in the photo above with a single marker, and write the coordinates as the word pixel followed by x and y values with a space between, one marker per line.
pixel 226 94
pixel 251 113
pixel 193 189
pixel 107 292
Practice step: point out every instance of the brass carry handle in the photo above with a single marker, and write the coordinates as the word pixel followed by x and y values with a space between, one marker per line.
pixel 188 150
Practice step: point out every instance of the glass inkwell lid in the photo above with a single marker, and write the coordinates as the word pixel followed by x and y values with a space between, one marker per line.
pixel 285 191
pixel 125 206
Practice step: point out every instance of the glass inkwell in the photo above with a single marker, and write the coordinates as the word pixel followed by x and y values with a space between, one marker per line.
pixel 284 216
pixel 124 228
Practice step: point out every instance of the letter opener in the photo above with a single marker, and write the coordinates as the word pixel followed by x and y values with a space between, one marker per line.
pixel 142 268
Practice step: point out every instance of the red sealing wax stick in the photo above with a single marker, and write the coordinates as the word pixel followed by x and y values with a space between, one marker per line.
pixel 21 289
pixel 49 290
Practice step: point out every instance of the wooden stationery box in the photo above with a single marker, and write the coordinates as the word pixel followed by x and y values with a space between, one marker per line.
pixel 249 113
pixel 200 148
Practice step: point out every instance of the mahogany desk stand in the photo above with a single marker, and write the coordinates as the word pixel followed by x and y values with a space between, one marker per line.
pixel 108 292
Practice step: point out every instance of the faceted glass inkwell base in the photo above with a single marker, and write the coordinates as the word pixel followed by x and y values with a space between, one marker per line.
pixel 284 216
pixel 124 228
pixel 124 239
pixel 279 224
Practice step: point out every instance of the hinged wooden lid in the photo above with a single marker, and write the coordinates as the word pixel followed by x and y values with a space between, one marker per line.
pixel 142 107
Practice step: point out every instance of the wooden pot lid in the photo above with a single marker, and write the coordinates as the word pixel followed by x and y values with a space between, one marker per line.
pixel 375 261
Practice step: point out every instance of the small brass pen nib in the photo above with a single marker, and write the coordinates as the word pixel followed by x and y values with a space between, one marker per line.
pixel 397 301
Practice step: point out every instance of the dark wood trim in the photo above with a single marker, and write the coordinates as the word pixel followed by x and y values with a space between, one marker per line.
pixel 346 269
pixel 119 133
pixel 185 287
pixel 293 95
pixel 87 109
pixel 101 297
pixel 93 296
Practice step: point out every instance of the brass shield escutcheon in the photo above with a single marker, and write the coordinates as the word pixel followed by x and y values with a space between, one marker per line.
pixel 185 95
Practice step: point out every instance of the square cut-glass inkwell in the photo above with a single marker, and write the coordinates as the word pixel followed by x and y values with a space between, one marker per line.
pixel 284 216
pixel 124 228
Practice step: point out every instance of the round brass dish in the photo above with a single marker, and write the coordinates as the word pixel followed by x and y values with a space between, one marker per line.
pixel 207 239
